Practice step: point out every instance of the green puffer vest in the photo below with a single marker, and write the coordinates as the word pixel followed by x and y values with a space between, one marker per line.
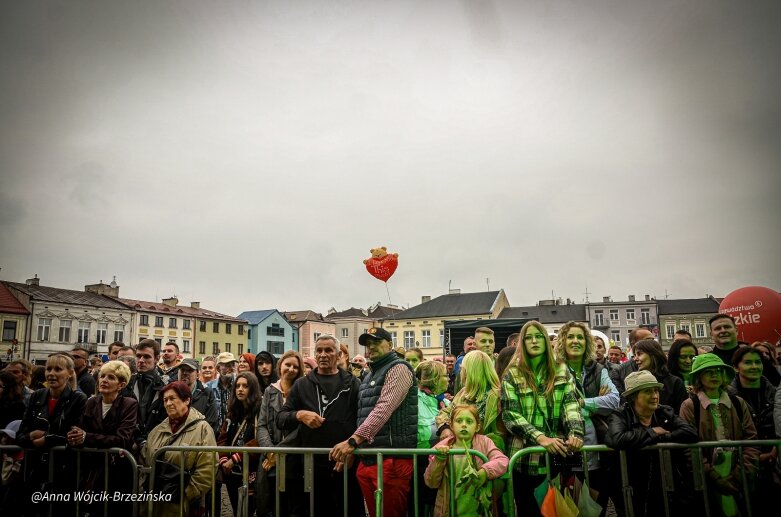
pixel 401 431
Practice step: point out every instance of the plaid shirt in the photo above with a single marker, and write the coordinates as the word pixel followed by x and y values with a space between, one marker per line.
pixel 527 419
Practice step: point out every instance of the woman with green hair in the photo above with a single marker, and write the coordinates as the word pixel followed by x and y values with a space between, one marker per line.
pixel 480 389
pixel 540 407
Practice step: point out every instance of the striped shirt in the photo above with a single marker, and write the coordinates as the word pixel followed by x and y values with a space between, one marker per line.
pixel 398 381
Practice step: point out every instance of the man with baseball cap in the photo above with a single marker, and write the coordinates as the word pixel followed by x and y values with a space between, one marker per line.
pixel 387 418
pixel 203 398
pixel 223 385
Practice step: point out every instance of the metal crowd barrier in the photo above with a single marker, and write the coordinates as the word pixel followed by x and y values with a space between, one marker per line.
pixel 309 486
pixel 668 485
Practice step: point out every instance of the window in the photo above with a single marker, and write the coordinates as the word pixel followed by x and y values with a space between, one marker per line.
pixel 614 316
pixel 616 337
pixel 144 320
pixel 9 330
pixel 365 331
pixel 630 316
pixel 599 319
pixel 315 336
pixel 185 324
pixel 102 331
pixel 228 347
pixel 171 323
pixel 645 316
pixel 345 332
pixel 670 330
pixel 202 326
pixel 202 347
pixel 426 338
pixel 158 321
pixel 83 332
pixel 241 330
pixel 159 340
pixel 699 330
pixel 215 348
pixel 240 349
pixel 186 345
pixel 228 327
pixel 685 326
pixel 119 333
pixel 65 331
pixel 276 347
pixel 249 334
pixel 394 339
pixel 442 337
pixel 216 326
pixel 409 339
pixel 275 330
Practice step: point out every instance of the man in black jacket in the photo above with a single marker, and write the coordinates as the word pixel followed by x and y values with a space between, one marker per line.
pixel 323 405
pixel 145 386
pixel 85 381
pixel 203 398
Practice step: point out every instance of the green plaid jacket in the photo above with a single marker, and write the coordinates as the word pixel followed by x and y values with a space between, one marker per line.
pixel 526 421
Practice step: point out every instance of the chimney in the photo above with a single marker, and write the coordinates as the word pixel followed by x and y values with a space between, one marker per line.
pixel 605 299
pixel 33 281
pixel 648 297
pixel 455 291
pixel 171 302
pixel 569 301
pixel 194 305
pixel 424 299
pixel 100 288
pixel 631 297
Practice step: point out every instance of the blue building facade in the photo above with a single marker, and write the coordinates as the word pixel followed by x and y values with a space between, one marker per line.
pixel 269 331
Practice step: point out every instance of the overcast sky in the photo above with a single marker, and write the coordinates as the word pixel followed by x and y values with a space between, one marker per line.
pixel 248 155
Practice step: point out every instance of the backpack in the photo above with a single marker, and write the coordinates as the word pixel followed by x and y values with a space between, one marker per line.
pixel 735 403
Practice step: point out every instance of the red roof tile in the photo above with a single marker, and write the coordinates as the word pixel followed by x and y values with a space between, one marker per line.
pixel 8 302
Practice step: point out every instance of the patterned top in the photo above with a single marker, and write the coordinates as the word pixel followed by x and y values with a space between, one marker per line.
pixel 527 417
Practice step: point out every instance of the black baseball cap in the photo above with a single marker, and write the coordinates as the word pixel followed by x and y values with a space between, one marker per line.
pixel 375 333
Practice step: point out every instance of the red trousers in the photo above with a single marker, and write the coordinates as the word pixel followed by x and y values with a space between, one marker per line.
pixel 396 474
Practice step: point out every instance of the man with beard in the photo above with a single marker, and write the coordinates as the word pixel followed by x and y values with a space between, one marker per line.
pixel 323 406
pixel 223 386
pixel 265 369
pixel 171 362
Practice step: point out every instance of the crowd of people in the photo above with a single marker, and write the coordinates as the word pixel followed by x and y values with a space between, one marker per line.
pixel 559 392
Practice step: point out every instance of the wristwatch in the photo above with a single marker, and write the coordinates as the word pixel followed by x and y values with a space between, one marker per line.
pixel 352 443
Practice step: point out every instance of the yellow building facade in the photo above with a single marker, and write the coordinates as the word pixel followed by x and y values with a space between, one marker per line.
pixel 220 333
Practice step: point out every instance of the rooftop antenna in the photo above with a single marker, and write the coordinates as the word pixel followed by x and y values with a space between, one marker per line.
pixel 448 285
pixel 587 293
pixel 487 284
pixel 666 294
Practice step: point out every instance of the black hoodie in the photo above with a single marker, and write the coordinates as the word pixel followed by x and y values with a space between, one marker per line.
pixel 266 356
pixel 340 414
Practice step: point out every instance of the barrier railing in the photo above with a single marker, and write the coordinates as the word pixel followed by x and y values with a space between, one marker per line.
pixel 309 486
pixel 667 485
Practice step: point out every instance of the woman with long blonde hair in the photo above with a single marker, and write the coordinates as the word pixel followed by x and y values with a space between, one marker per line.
pixel 539 406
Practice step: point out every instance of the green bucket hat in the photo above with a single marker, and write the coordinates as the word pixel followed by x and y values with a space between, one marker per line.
pixel 705 361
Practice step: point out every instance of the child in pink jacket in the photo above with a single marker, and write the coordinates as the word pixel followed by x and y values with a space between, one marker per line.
pixel 473 489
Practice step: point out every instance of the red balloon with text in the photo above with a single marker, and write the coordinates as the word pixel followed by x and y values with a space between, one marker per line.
pixel 757 313
pixel 381 265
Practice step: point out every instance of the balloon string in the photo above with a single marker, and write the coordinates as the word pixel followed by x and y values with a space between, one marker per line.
pixel 386 289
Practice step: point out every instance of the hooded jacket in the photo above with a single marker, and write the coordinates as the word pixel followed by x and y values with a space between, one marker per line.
pixel 340 413
pixel 266 357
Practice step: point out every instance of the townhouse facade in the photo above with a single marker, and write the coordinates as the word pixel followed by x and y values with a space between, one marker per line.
pixel 422 326
pixel 617 319
pixel 690 314
pixel 164 322
pixel 551 313
pixel 351 323
pixel 309 325
pixel 13 322
pixel 61 319
pixel 269 331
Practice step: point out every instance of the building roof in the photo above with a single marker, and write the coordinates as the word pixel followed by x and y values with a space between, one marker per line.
pixel 301 316
pixel 8 302
pixel 688 306
pixel 352 312
pixel 180 310
pixel 383 312
pixel 452 305
pixel 255 317
pixel 375 312
pixel 41 293
pixel 547 313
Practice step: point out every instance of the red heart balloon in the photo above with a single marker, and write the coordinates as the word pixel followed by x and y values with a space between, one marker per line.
pixel 382 268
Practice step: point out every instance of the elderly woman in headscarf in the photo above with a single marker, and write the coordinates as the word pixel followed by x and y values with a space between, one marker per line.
pixel 184 426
